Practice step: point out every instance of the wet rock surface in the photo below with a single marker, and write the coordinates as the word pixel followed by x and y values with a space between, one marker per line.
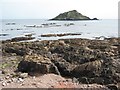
pixel 17 39
pixel 60 35
pixel 89 61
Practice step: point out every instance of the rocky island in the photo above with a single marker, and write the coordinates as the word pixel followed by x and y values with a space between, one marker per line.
pixel 72 15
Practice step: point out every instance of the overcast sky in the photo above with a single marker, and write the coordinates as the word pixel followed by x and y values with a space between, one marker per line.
pixel 39 9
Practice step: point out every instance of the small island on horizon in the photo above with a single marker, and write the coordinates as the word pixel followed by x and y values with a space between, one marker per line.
pixel 72 15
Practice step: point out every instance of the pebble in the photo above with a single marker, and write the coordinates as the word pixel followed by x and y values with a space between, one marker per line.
pixel 68 80
pixel 7 77
pixel 33 77
pixel 34 84
pixel 14 79
pixel 74 80
pixel 1 79
pixel 22 84
pixel 20 79
pixel 4 84
pixel 1 72
pixel 4 72
pixel 23 75
pixel 9 81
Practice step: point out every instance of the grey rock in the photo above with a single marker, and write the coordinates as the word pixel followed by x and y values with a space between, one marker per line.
pixel 1 72
pixel 23 75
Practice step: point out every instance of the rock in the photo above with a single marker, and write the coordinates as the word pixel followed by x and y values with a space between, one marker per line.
pixel 16 39
pixel 63 67
pixel 60 35
pixel 112 87
pixel 1 79
pixel 33 77
pixel 29 35
pixel 84 80
pixel 4 84
pixel 116 64
pixel 88 69
pixel 72 15
pixel 23 75
pixel 37 64
pixel 118 84
pixel 17 50
pixel 7 77
pixel 69 80
pixel 62 43
pixel 14 80
pixel 75 80
pixel 9 81
pixel 94 19
pixel 117 77
pixel 20 79
pixel 1 72
pixel 98 80
pixel 4 34
pixel 90 61
pixel 11 23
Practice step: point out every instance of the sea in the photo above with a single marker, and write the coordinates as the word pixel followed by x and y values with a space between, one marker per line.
pixel 89 29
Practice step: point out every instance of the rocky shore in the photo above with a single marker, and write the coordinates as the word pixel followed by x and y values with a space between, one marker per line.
pixel 59 35
pixel 94 63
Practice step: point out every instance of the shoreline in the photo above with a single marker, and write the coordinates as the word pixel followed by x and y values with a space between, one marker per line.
pixel 31 38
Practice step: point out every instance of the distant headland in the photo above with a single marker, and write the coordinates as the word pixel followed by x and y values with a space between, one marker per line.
pixel 72 15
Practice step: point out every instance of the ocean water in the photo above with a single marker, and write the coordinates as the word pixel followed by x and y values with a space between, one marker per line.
pixel 87 29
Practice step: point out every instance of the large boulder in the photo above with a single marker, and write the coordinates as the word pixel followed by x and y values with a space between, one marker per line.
pixel 88 69
pixel 37 64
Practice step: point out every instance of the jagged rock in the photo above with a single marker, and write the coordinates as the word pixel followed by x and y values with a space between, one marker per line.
pixel 72 15
pixel 64 67
pixel 17 50
pixel 88 69
pixel 37 64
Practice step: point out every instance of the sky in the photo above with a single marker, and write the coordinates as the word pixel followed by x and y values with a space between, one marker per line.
pixel 47 9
